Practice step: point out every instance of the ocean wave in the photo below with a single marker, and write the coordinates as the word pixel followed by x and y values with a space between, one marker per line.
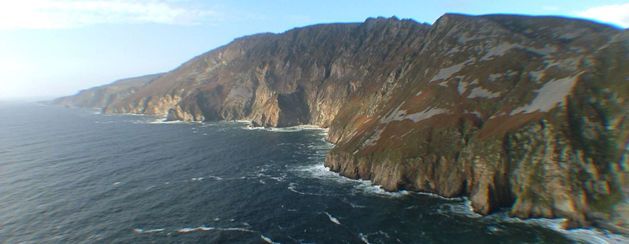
pixel 142 231
pixel 587 235
pixel 319 171
pixel 332 218
pixel 200 228
pixel 368 187
pixel 215 177
pixel 164 121
pixel 267 240
pixel 463 208
pixel 243 121
pixel 275 178
pixel 353 205
pixel 322 148
pixel 365 237
pixel 205 228
pixel 293 187
pixel 439 196
pixel 286 129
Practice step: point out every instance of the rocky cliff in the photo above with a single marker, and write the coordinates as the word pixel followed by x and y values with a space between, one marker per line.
pixel 518 112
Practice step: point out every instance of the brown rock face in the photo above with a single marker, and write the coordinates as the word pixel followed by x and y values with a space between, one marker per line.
pixel 528 113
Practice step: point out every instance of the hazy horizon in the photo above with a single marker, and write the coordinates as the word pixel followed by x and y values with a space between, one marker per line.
pixel 60 47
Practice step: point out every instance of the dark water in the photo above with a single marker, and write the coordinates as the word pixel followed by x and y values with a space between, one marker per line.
pixel 69 176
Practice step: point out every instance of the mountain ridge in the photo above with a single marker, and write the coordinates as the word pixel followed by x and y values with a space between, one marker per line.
pixel 505 109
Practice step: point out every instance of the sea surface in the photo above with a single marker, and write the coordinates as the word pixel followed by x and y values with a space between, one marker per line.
pixel 77 176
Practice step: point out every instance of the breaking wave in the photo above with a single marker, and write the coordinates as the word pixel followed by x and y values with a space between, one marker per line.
pixel 319 171
pixel 142 231
pixel 587 235
pixel 204 228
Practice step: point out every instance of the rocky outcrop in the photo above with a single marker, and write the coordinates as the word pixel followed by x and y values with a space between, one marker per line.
pixel 518 112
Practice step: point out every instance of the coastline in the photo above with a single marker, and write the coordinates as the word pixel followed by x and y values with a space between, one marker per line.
pixel 598 233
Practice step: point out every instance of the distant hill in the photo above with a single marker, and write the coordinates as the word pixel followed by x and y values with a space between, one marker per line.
pixel 101 96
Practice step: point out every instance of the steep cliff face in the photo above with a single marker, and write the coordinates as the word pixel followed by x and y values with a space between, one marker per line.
pixel 100 97
pixel 527 113
pixel 303 76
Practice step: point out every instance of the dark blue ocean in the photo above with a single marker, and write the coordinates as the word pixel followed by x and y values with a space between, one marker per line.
pixel 76 176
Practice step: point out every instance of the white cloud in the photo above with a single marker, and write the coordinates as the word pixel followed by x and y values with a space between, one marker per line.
pixel 615 13
pixel 59 14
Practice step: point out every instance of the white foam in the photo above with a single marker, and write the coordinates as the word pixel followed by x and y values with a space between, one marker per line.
pixel 164 121
pixel 353 205
pixel 236 229
pixel 590 235
pixel 439 196
pixel 363 238
pixel 116 183
pixel 267 240
pixel 319 171
pixel 205 228
pixel 293 187
pixel 368 187
pixel 141 231
pixel 463 208
pixel 200 228
pixel 332 218
pixel 243 121
pixel 126 114
pixel 297 128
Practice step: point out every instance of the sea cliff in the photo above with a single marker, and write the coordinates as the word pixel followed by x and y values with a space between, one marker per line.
pixel 517 112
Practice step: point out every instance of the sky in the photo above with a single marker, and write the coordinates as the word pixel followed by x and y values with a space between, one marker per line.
pixel 50 48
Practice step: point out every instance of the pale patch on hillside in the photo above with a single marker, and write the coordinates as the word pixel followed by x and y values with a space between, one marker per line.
pixel 549 95
pixel 479 92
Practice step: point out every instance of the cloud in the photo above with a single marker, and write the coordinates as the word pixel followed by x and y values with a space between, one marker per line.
pixel 615 13
pixel 61 14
